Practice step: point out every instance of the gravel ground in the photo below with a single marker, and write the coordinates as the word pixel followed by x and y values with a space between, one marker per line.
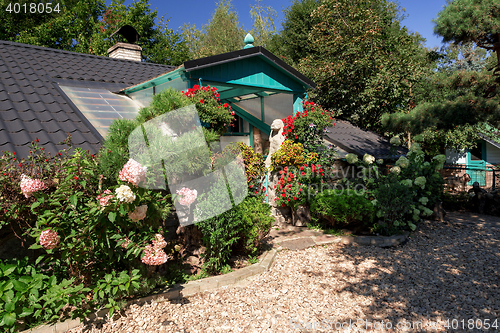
pixel 446 271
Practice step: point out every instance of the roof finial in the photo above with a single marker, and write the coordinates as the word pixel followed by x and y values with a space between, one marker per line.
pixel 248 41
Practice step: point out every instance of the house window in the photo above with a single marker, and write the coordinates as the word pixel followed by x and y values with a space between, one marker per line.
pixel 101 106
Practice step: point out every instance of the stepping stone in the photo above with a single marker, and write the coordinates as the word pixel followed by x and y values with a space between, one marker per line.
pixel 298 244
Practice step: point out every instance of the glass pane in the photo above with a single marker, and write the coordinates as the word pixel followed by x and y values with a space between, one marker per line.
pixel 142 97
pixel 277 106
pixel 178 84
pixel 251 106
pixel 101 106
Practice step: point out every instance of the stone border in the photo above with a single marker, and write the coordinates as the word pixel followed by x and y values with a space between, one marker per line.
pixel 177 291
pixel 380 241
pixel 211 283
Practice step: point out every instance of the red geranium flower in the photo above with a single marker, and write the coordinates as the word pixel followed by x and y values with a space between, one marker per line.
pixel 303 173
pixel 294 198
pixel 202 101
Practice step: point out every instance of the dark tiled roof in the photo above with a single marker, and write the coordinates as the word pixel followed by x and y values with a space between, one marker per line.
pixel 355 140
pixel 33 106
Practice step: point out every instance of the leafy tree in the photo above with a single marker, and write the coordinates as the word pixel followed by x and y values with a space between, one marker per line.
pixel 86 27
pixel 478 21
pixel 461 98
pixel 263 25
pixel 220 35
pixel 290 43
pixel 451 102
pixel 364 63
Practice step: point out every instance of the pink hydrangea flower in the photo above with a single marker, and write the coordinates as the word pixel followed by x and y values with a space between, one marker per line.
pixel 159 242
pixel 139 213
pixel 49 239
pixel 29 185
pixel 133 172
pixel 187 196
pixel 126 243
pixel 153 256
pixel 104 199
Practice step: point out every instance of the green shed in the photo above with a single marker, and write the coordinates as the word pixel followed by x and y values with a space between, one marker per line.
pixel 258 85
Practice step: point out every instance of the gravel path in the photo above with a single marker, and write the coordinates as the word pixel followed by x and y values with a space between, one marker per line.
pixel 446 271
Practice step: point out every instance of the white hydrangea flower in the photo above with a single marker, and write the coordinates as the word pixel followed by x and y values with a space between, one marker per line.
pixel 369 159
pixel 427 211
pixel 124 193
pixel 423 200
pixel 403 162
pixel 380 161
pixel 441 159
pixel 395 169
pixel 420 181
pixel 351 158
pixel 407 182
pixel 395 140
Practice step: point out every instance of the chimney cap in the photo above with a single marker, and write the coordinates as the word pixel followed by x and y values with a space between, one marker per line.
pixel 128 32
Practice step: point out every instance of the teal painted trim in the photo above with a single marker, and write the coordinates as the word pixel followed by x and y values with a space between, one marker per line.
pixel 262 114
pixel 251 135
pixel 253 121
pixel 255 72
pixel 236 134
pixel 297 103
pixel 179 72
pixel 235 92
pixel 483 151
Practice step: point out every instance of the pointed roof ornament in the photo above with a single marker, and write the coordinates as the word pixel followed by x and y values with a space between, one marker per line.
pixel 248 41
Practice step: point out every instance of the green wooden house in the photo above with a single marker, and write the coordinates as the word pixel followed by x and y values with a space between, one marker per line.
pixel 258 85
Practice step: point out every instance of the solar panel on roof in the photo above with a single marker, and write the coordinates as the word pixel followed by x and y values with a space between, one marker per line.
pixel 101 106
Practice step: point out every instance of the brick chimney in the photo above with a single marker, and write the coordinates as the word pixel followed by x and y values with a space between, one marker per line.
pixel 127 51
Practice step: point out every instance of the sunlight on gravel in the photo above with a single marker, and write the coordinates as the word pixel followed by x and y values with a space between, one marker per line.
pixel 446 271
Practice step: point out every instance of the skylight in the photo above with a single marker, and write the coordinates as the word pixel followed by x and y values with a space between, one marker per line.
pixel 101 106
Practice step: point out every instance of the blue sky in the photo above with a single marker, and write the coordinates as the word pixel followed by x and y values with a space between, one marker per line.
pixel 419 13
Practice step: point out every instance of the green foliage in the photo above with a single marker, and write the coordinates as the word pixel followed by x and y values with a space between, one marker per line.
pixel 256 223
pixel 86 27
pixel 39 164
pixel 290 43
pixel 263 23
pixel 452 109
pixel 28 295
pixel 255 168
pixel 463 21
pixel 364 62
pixel 165 101
pixel 239 229
pixel 394 203
pixel 343 208
pixel 114 153
pixel 220 35
pixel 113 288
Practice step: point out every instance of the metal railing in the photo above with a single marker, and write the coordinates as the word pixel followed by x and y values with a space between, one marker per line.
pixel 460 178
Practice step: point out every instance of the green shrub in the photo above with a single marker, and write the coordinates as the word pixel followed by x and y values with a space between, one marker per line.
pixel 394 202
pixel 238 230
pixel 256 223
pixel 343 208
pixel 27 295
